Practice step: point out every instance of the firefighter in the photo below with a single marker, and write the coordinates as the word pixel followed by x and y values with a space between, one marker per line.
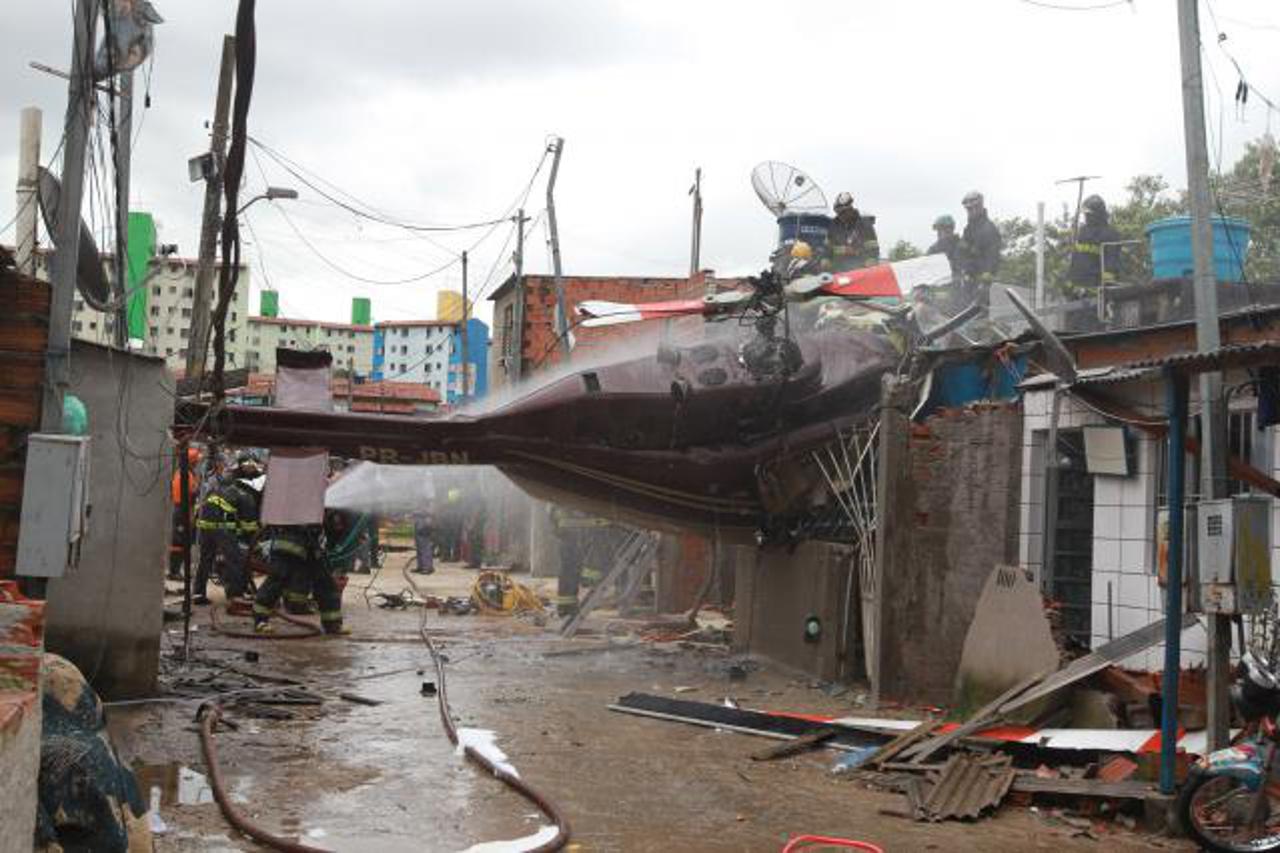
pixel 851 240
pixel 573 529
pixel 947 241
pixel 979 249
pixel 297 560
pixel 227 525
pixel 1086 273
pixel 182 520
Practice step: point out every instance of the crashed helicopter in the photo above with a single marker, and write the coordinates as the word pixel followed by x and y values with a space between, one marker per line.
pixel 756 432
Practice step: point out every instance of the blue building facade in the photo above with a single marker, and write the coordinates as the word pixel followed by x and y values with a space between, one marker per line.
pixel 477 357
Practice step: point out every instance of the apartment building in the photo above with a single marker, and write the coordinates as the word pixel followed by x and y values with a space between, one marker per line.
pixel 351 344
pixel 414 351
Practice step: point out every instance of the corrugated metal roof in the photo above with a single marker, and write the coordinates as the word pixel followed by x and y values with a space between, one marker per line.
pixel 1234 355
pixel 967 786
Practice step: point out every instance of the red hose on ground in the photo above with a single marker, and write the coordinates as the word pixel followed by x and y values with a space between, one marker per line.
pixel 210 718
pixel 313 630
pixel 802 841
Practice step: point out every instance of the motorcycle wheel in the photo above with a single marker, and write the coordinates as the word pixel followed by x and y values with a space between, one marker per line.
pixel 1215 812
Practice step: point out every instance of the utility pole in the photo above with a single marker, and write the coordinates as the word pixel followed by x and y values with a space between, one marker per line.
pixel 695 243
pixel 200 309
pixel 1039 255
pixel 67 242
pixel 28 189
pixel 124 151
pixel 562 316
pixel 516 368
pixel 1213 458
pixel 1079 180
pixel 466 351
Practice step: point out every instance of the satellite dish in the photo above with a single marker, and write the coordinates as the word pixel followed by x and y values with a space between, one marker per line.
pixel 785 189
pixel 91 281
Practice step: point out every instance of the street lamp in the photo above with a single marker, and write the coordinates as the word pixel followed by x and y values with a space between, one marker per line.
pixel 271 194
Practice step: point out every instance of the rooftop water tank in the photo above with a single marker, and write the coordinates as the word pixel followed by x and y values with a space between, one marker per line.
pixel 1171 257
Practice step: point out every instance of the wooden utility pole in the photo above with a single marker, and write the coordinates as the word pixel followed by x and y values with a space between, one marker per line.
pixel 198 341
pixel 124 151
pixel 67 242
pixel 1213 456
pixel 517 357
pixel 1079 181
pixel 466 351
pixel 562 316
pixel 24 240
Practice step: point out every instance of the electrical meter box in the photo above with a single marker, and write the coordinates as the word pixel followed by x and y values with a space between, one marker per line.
pixel 1234 552
pixel 55 494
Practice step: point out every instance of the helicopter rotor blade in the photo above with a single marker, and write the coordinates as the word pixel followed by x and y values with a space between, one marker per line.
pixel 601 313
pixel 893 280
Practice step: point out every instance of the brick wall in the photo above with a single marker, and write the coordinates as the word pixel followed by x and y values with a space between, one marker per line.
pixel 949 514
pixel 24 313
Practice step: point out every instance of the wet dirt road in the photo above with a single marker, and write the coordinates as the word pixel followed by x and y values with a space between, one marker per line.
pixel 357 778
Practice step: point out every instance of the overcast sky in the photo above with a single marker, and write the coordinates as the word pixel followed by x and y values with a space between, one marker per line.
pixel 438 112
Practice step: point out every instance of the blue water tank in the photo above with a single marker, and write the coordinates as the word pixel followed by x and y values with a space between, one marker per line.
pixel 813 228
pixel 1170 241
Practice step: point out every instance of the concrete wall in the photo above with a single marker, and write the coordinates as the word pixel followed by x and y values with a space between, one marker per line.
pixel 948 503
pixel 778 589
pixel 106 616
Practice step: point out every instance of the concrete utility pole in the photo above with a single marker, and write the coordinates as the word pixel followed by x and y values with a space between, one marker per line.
pixel 466 351
pixel 198 342
pixel 24 240
pixel 1213 456
pixel 562 316
pixel 67 242
pixel 516 368
pixel 1039 255
pixel 124 153
pixel 695 242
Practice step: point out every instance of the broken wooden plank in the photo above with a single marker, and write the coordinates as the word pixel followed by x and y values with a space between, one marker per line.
pixel 903 741
pixel 804 743
pixel 984 717
pixel 1096 661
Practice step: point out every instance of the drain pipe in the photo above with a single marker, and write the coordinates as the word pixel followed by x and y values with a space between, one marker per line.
pixel 1176 386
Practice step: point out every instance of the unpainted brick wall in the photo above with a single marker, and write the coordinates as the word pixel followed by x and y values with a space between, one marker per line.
pixel 949 510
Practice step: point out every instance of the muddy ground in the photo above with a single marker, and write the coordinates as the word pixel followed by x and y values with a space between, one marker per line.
pixel 358 778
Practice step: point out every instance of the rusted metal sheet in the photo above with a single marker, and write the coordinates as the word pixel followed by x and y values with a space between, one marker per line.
pixel 1150 343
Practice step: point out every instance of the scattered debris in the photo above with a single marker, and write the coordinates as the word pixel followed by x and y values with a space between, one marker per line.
pixel 801 744
pixel 967 787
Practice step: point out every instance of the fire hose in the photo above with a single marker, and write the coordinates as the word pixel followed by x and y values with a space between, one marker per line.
pixel 508 778
pixel 312 629
pixel 212 713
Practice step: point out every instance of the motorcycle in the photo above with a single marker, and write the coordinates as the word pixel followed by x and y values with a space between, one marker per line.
pixel 1231 800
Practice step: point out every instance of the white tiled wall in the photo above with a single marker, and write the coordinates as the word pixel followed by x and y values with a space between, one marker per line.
pixel 1125 593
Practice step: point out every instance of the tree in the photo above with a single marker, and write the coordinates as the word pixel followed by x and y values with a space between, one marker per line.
pixel 903 250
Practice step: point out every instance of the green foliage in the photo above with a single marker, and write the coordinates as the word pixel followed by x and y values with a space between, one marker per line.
pixel 1240 191
pixel 903 250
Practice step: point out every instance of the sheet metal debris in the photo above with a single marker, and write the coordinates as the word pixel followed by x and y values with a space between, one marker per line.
pixel 967 786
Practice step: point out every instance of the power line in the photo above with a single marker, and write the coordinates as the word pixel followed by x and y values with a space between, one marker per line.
pixel 1094 7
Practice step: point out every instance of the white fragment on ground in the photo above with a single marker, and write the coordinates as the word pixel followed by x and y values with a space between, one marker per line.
pixel 484 742
pixel 529 842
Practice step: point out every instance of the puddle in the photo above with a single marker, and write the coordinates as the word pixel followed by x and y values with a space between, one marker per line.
pixel 178 784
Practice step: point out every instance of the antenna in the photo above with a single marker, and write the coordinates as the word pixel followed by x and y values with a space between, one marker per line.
pixel 783 189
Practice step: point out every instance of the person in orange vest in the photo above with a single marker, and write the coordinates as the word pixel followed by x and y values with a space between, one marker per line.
pixel 182 520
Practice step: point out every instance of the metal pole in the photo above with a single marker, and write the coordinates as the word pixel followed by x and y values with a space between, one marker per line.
pixel 466 350
pixel 67 244
pixel 1176 404
pixel 124 151
pixel 517 357
pixel 1039 255
pixel 184 497
pixel 695 247
pixel 24 239
pixel 197 343
pixel 1048 536
pixel 1213 459
pixel 562 316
